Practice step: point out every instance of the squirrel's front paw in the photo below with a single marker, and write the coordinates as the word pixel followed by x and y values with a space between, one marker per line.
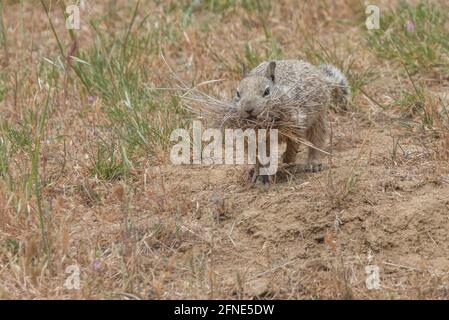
pixel 262 180
pixel 313 167
pixel 257 179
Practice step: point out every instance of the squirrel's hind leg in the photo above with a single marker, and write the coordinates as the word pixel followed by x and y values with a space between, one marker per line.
pixel 291 151
pixel 317 135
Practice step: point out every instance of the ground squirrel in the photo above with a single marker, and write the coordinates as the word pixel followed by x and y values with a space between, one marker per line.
pixel 311 89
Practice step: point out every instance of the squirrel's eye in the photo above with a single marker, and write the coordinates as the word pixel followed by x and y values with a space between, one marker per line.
pixel 238 94
pixel 266 92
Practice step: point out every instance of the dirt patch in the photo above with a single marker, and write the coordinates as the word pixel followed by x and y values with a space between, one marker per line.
pixel 313 235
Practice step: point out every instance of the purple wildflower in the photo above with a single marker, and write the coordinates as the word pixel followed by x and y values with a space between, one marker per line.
pixel 96 265
pixel 91 99
pixel 410 26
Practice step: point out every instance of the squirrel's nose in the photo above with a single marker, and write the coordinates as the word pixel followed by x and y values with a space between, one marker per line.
pixel 249 107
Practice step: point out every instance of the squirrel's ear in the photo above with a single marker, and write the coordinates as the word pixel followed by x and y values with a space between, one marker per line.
pixel 270 70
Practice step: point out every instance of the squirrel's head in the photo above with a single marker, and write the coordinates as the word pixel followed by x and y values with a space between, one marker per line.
pixel 253 91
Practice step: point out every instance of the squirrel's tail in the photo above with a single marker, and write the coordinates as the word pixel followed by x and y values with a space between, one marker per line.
pixel 341 91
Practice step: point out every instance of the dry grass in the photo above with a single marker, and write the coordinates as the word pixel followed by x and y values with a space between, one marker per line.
pixel 85 178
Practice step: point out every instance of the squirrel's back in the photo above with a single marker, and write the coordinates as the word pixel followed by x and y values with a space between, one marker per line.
pixel 289 72
pixel 304 80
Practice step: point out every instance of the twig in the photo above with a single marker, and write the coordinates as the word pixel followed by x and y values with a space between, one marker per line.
pixel 272 270
pixel 230 233
pixel 401 266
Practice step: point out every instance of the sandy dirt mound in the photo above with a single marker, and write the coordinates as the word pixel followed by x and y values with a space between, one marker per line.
pixel 313 235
